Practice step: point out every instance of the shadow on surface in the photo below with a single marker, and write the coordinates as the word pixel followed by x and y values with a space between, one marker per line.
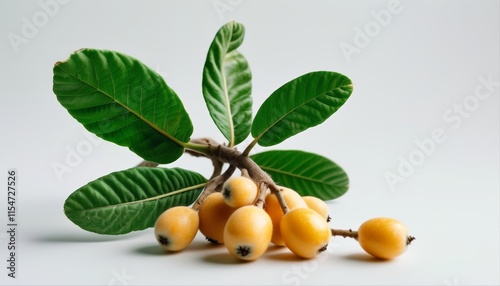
pixel 156 249
pixel 363 257
pixel 223 258
pixel 153 249
pixel 274 248
pixel 198 245
pixel 284 256
pixel 78 238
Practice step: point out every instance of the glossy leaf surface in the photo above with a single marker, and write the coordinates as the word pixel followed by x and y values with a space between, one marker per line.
pixel 307 173
pixel 301 103
pixel 227 84
pixel 123 101
pixel 132 199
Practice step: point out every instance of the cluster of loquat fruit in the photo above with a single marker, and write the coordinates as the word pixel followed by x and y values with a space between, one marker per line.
pixel 246 220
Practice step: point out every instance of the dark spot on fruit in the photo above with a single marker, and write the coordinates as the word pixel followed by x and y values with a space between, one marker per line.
pixel 211 240
pixel 243 250
pixel 323 248
pixel 226 193
pixel 163 240
pixel 328 219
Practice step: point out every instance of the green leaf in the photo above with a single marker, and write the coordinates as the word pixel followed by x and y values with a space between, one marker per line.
pixel 307 173
pixel 123 101
pixel 132 199
pixel 227 84
pixel 301 103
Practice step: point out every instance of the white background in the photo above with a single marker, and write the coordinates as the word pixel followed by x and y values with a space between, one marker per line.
pixel 411 76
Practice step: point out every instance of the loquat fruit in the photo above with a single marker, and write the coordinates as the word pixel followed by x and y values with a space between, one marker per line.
pixel 247 233
pixel 239 191
pixel 272 207
pixel 176 227
pixel 318 205
pixel 213 214
pixel 305 232
pixel 383 237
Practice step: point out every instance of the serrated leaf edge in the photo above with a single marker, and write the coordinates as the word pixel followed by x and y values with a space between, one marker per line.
pixel 170 137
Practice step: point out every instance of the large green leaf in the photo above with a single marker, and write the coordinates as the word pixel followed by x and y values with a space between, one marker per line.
pixel 132 199
pixel 307 173
pixel 301 103
pixel 123 101
pixel 227 84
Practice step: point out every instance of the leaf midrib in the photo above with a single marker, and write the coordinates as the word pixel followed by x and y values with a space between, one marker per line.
pixel 143 200
pixel 294 175
pixel 175 140
pixel 228 105
pixel 295 108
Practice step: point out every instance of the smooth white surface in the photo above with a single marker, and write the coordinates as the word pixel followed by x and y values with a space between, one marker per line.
pixel 408 78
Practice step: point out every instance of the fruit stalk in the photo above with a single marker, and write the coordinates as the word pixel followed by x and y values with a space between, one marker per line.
pixel 261 199
pixel 214 185
pixel 277 192
pixel 147 164
pixel 241 161
pixel 345 233
pixel 354 234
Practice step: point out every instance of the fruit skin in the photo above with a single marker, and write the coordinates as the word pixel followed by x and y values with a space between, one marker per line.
pixel 176 227
pixel 248 232
pixel 239 191
pixel 272 207
pixel 318 205
pixel 305 232
pixel 383 237
pixel 213 214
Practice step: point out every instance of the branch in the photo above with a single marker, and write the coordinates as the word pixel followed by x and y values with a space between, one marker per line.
pixel 220 154
pixel 261 199
pixel 207 142
pixel 277 192
pixel 147 164
pixel 217 168
pixel 242 161
pixel 214 185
